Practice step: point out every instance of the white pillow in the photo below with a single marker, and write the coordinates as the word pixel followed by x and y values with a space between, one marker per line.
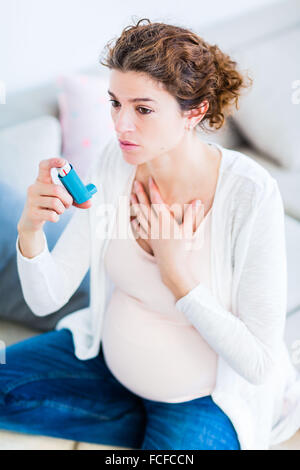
pixel 23 146
pixel 85 117
pixel 268 117
pixel 228 136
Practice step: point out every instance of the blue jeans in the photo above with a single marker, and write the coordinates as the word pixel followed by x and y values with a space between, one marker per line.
pixel 46 390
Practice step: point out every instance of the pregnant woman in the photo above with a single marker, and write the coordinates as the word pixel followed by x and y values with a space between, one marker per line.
pixel 182 344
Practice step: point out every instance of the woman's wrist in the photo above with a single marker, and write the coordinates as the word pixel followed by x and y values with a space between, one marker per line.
pixel 181 283
pixel 31 244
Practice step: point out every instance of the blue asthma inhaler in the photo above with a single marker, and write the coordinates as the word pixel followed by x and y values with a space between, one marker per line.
pixel 73 184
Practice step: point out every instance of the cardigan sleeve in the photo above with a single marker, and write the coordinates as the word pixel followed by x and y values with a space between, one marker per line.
pixel 49 279
pixel 249 340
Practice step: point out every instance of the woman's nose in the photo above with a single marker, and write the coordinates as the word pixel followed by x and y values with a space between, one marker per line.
pixel 124 123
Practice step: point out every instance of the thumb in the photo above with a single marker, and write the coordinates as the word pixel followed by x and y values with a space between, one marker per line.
pixel 84 205
pixel 188 222
pixel 198 213
pixel 193 215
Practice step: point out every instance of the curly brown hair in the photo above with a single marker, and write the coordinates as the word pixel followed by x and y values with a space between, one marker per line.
pixel 189 68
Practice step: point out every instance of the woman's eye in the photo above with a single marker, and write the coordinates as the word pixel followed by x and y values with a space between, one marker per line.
pixel 149 111
pixel 115 104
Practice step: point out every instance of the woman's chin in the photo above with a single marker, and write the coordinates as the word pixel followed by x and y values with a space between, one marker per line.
pixel 130 158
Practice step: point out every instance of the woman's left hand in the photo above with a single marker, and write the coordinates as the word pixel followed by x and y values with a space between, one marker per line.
pixel 169 241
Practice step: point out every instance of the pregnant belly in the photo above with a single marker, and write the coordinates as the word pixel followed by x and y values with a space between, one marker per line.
pixel 153 356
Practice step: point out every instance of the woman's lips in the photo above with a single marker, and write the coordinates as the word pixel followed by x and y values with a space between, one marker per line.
pixel 128 146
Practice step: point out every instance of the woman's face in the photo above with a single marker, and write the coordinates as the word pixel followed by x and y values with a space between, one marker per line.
pixel 157 126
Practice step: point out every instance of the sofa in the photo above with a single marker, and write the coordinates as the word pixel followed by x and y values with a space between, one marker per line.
pixel 266 127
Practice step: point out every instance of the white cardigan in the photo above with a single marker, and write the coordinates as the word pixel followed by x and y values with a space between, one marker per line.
pixel 243 315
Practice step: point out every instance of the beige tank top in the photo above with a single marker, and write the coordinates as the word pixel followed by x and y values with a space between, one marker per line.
pixel 149 345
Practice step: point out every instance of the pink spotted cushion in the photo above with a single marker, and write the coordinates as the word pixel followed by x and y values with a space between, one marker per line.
pixel 84 113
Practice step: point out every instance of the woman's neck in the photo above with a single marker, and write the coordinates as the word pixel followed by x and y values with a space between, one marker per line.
pixel 180 173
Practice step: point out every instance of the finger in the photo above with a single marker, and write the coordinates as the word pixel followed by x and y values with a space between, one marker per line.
pixel 134 226
pixel 163 221
pixel 43 214
pixel 154 190
pixel 137 200
pixel 193 216
pixel 164 218
pixel 136 210
pixel 139 230
pixel 53 203
pixel 161 209
pixel 140 193
pixel 198 214
pixel 56 190
pixel 188 219
pixel 142 198
pixel 83 205
pixel 44 174
pixel 157 202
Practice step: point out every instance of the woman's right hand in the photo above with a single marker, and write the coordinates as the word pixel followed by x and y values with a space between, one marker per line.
pixel 45 199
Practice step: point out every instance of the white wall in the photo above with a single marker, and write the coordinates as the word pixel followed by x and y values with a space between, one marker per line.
pixel 40 39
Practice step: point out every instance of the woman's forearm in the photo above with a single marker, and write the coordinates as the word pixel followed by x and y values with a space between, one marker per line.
pixel 42 279
pixel 49 279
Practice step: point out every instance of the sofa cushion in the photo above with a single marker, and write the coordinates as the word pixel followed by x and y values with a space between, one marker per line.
pixel 11 206
pixel 23 146
pixel 293 262
pixel 265 43
pixel 11 440
pixel 14 308
pixel 12 304
pixel 289 187
pixel 288 180
pixel 292 338
pixel 228 136
pixel 12 332
pixel 84 113
pixel 269 115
